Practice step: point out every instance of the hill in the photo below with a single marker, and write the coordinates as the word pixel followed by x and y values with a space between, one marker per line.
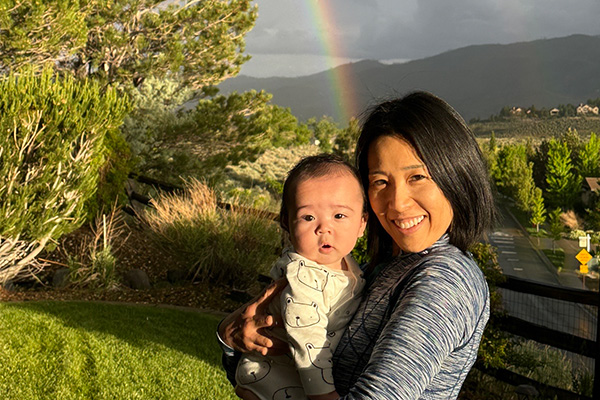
pixel 477 80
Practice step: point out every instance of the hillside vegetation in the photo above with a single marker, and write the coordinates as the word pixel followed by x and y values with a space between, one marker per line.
pixel 535 129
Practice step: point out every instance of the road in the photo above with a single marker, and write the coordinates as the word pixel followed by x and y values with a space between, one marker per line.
pixel 518 256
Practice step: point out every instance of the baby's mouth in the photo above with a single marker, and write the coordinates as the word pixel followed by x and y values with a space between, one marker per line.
pixel 407 224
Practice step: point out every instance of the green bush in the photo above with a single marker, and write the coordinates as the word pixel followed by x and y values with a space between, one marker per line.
pixel 229 247
pixel 549 366
pixel 494 342
pixel 53 145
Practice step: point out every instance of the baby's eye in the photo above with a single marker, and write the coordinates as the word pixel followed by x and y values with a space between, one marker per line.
pixel 307 218
pixel 339 216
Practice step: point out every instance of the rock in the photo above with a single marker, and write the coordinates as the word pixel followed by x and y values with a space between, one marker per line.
pixel 61 278
pixel 527 390
pixel 137 279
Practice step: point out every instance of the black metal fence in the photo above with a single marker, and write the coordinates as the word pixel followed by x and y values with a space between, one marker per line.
pixel 565 319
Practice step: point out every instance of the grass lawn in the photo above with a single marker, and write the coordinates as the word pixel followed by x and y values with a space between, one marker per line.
pixel 557 257
pixel 80 350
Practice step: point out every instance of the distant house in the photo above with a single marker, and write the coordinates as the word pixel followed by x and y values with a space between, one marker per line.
pixel 554 111
pixel 585 109
pixel 590 188
pixel 516 111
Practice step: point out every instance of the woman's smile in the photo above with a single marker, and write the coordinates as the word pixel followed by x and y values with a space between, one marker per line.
pixel 410 223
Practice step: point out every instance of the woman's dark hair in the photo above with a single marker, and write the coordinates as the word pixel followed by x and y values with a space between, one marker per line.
pixel 448 148
pixel 313 167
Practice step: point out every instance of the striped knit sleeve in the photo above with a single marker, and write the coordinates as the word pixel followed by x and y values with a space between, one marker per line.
pixel 437 313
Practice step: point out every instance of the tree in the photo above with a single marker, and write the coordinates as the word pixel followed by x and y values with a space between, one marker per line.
pixel 556 227
pixel 125 41
pixel 324 131
pixel 513 175
pixel 538 211
pixel 563 183
pixel 345 141
pixel 219 132
pixel 589 157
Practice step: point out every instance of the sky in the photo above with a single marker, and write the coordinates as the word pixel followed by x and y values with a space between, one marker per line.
pixel 301 37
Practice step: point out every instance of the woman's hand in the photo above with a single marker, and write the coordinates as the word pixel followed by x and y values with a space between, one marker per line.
pixel 245 329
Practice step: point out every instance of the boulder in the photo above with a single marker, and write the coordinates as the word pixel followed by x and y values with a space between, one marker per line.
pixel 137 279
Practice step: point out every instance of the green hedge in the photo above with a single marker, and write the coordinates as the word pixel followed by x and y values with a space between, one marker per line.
pixel 57 136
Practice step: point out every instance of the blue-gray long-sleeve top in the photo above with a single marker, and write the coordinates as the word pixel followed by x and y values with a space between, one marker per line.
pixel 416 332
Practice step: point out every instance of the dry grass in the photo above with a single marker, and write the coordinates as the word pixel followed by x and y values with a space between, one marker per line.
pixel 229 247
pixel 571 220
pixel 94 262
pixel 169 209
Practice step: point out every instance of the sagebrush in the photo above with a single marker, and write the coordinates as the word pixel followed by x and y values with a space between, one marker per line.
pixel 53 134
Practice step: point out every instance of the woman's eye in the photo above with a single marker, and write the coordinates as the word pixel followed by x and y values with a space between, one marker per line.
pixel 378 183
pixel 418 177
pixel 339 216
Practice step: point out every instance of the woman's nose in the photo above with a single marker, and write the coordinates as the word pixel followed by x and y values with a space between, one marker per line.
pixel 400 199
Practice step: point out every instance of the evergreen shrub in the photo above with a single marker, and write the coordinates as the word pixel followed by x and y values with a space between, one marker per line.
pixel 53 148
pixel 494 343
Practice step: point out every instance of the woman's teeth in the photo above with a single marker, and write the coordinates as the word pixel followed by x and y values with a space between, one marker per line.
pixel 410 223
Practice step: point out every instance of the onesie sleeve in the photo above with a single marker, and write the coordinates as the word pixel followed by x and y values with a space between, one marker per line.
pixel 436 314
pixel 305 310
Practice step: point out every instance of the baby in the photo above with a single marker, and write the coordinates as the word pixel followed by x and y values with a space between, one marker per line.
pixel 324 211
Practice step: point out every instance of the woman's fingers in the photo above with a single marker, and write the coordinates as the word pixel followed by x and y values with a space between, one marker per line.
pixel 269 293
pixel 245 329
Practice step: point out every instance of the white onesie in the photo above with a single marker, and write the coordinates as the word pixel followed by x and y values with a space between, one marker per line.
pixel 316 306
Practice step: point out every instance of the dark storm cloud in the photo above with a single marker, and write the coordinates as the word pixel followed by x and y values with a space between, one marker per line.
pixel 384 29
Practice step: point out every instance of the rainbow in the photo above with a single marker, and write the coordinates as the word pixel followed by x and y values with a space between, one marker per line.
pixel 341 91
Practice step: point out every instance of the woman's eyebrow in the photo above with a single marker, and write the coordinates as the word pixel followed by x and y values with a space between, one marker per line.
pixel 406 167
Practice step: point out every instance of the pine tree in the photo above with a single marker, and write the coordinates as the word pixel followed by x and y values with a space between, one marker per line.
pixel 556 227
pixel 513 175
pixel 589 157
pixel 563 184
pixel 538 211
pixel 125 41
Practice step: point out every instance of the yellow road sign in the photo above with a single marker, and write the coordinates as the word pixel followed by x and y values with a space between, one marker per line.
pixel 583 256
pixel 583 268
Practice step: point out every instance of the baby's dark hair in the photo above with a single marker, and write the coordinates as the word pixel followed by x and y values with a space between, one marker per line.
pixel 313 167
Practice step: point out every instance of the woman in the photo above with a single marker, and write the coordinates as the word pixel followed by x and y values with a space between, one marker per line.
pixel 418 327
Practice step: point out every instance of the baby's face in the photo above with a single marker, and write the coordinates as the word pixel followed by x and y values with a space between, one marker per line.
pixel 326 217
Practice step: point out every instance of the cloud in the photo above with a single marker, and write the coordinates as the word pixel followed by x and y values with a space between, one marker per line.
pixel 384 29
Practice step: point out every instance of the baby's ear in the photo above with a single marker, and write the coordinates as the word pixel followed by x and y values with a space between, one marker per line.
pixel 363 224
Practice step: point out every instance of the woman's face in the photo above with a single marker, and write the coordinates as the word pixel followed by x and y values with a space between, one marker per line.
pixel 408 203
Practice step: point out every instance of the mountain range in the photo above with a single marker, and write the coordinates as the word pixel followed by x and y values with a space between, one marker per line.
pixel 477 80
